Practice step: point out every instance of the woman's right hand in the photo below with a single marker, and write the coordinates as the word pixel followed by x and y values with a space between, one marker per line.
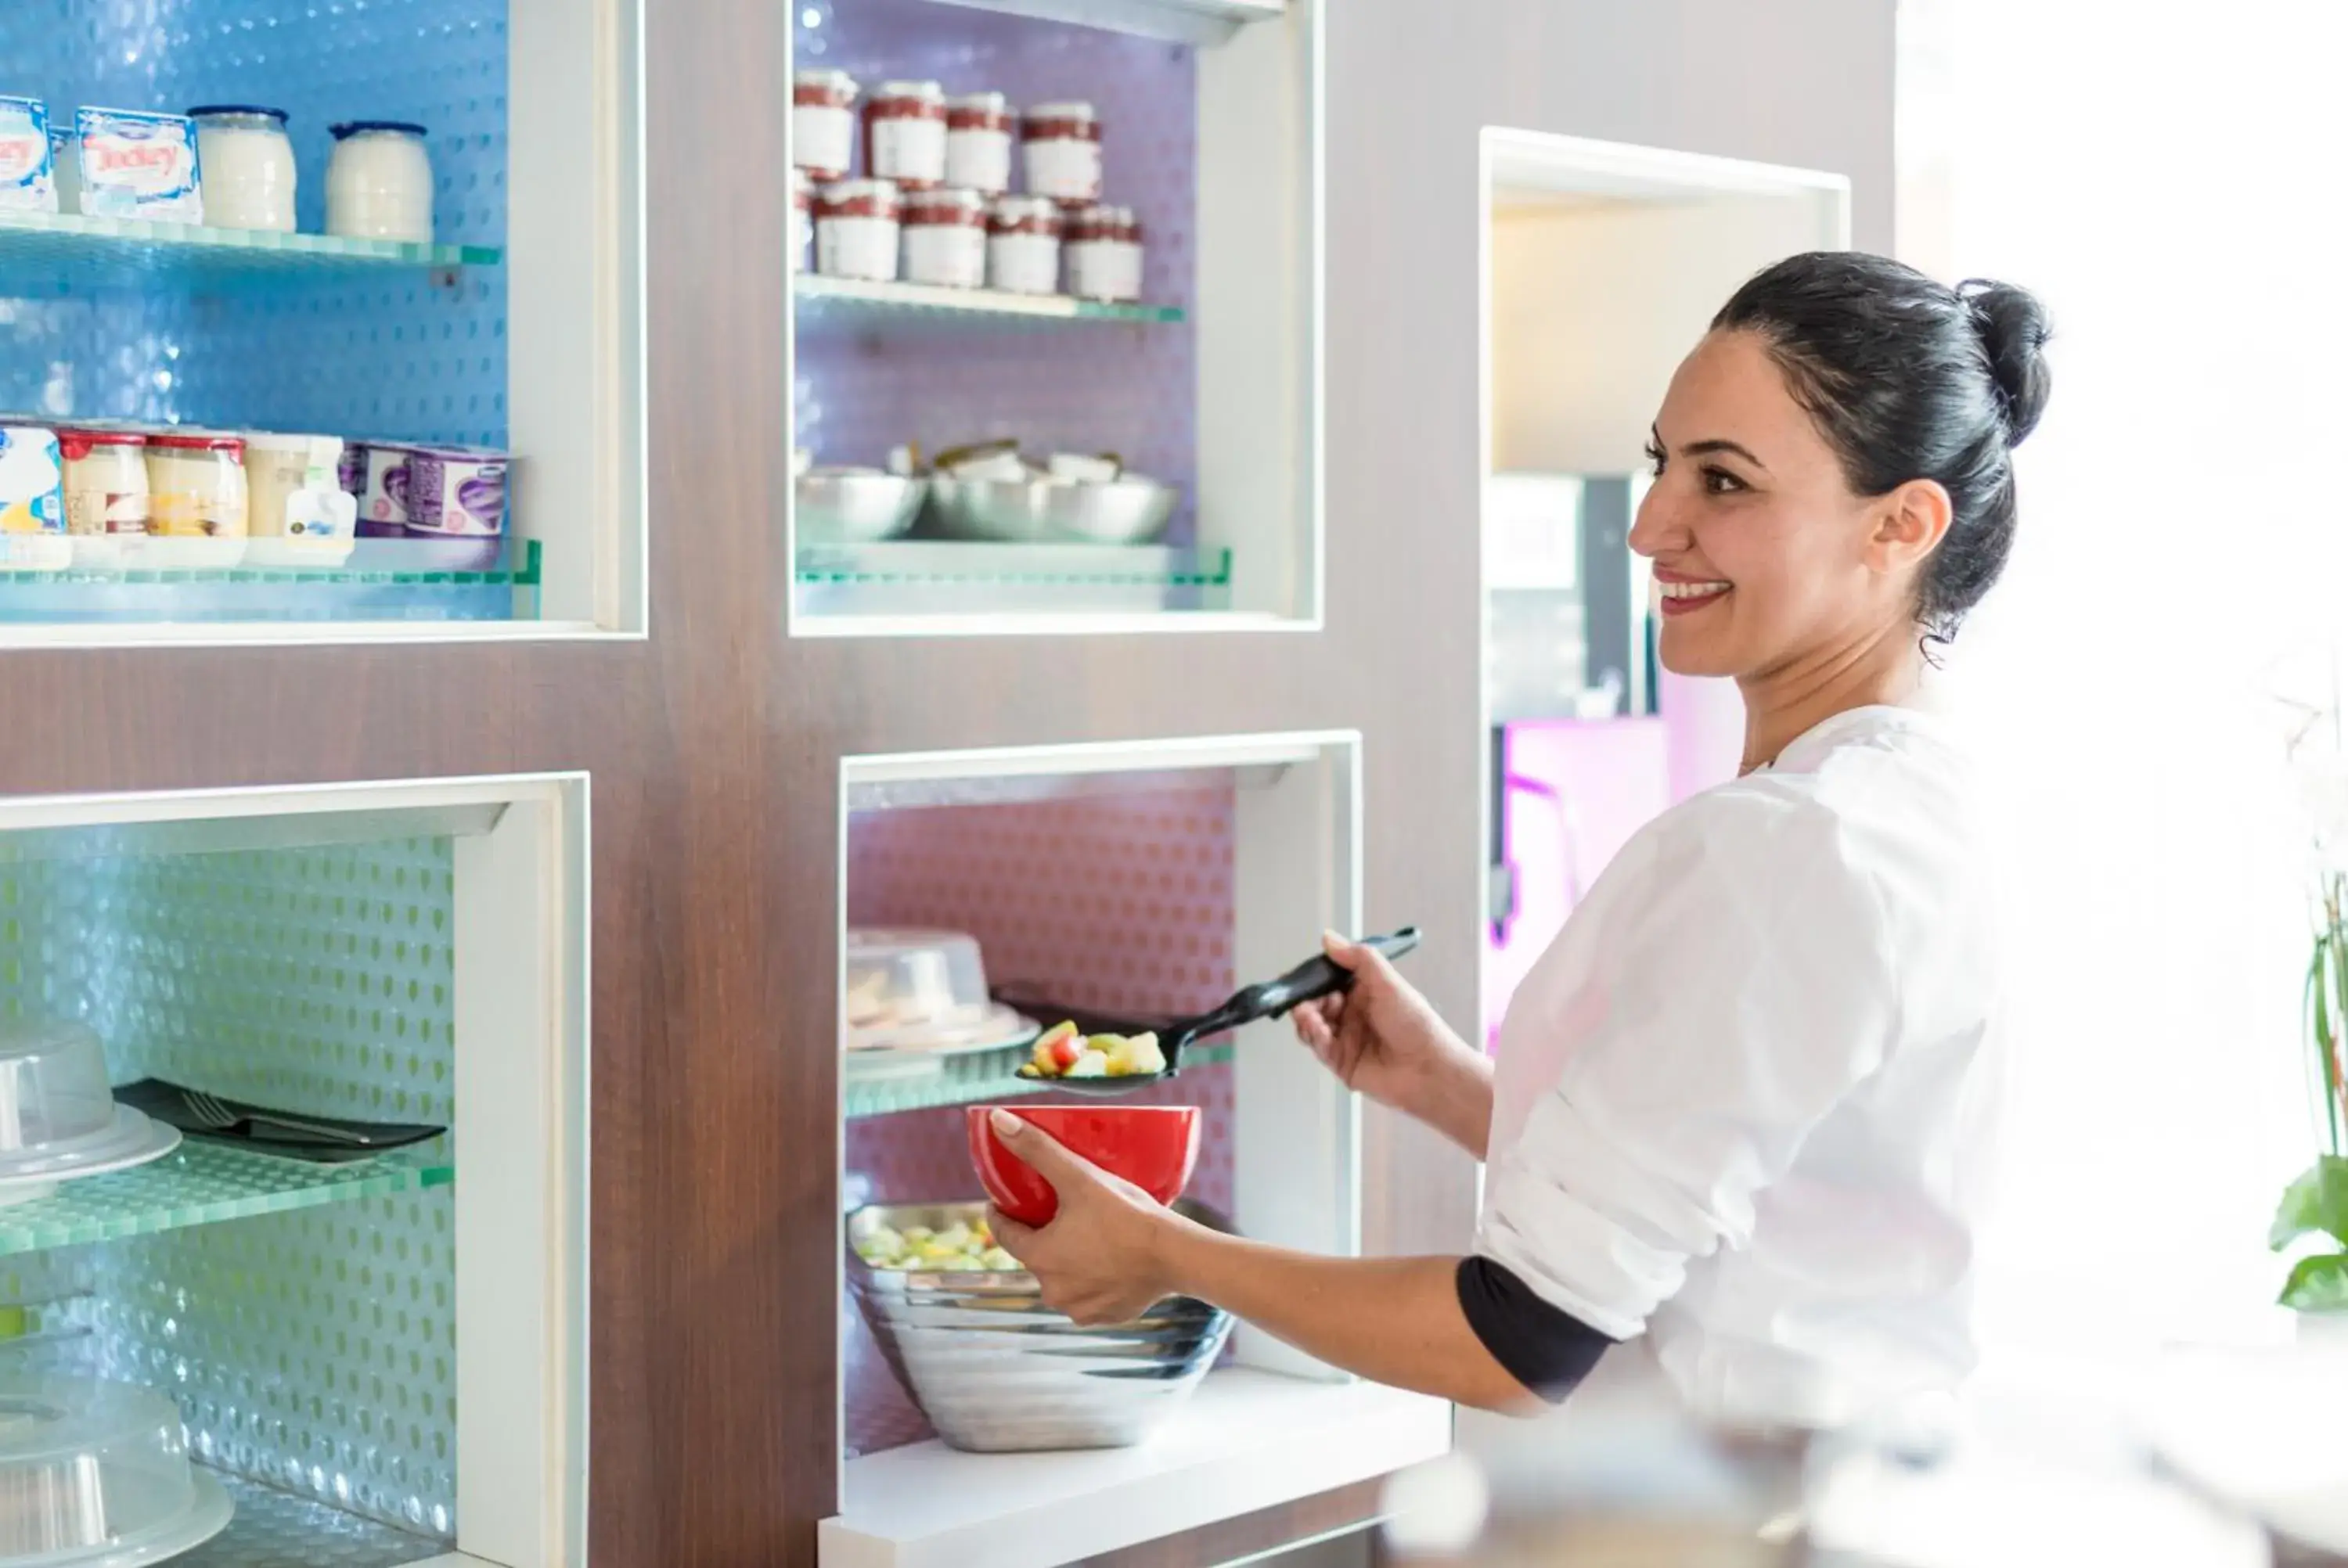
pixel 1381 1036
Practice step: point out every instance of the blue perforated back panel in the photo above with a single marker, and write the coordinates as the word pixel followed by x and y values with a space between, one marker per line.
pixel 404 358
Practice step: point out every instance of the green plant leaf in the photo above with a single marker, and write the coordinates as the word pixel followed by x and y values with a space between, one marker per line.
pixel 2315 1205
pixel 2318 1285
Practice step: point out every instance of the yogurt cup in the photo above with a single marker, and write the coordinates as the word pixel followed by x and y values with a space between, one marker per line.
pixel 107 502
pixel 456 492
pixel 300 514
pixel 136 165
pixel 32 534
pixel 27 173
pixel 381 471
pixel 456 506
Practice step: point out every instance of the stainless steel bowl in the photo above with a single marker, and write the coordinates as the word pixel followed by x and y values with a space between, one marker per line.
pixel 996 1371
pixel 1128 511
pixel 856 509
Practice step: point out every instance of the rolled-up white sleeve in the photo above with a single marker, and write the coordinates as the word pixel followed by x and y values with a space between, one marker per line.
pixel 1738 984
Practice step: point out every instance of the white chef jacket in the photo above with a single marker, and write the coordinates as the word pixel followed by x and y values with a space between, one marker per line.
pixel 1744 1101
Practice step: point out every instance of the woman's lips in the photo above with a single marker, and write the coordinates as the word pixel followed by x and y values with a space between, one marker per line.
pixel 1675 598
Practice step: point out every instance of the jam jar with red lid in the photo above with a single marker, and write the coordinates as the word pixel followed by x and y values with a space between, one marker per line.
pixel 980 130
pixel 1060 145
pixel 1104 252
pixel 1023 245
pixel 905 134
pixel 856 229
pixel 823 123
pixel 945 238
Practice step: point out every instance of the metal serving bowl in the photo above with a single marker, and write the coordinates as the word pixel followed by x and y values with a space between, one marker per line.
pixel 1128 511
pixel 856 509
pixel 996 1371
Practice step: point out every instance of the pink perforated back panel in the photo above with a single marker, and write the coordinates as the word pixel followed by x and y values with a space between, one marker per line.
pixel 1117 902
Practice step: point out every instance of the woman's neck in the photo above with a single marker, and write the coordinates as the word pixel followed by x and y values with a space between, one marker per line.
pixel 1784 703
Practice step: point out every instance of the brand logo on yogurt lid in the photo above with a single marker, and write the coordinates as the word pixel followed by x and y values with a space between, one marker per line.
pixel 146 155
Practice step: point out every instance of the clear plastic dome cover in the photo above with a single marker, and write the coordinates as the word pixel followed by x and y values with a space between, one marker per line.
pixel 54 1093
pixel 94 1474
pixel 914 988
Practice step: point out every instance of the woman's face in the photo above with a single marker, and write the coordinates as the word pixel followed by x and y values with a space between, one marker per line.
pixel 1763 557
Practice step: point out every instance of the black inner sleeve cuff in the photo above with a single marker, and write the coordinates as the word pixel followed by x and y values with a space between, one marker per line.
pixel 1549 1350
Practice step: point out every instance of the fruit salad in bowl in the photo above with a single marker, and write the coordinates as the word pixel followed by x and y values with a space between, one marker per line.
pixel 964 1246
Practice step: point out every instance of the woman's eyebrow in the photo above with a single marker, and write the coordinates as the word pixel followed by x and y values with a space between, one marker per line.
pixel 1701 448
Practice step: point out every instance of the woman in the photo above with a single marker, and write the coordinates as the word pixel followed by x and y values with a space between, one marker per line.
pixel 1741 1104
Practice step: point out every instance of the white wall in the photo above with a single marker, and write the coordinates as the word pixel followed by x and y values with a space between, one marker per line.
pixel 2162 176
pixel 1594 307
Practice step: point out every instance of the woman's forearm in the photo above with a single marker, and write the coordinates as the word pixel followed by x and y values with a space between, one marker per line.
pixel 1456 1099
pixel 1394 1320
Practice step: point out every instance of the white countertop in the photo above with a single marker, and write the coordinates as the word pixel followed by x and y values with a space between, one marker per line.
pixel 1246 1440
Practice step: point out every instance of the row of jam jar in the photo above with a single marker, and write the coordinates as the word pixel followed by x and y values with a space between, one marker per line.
pixel 917 138
pixel 868 228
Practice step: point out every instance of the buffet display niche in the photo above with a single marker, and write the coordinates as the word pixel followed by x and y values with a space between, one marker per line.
pixel 292 1155
pixel 1056 343
pixel 320 320
pixel 1064 931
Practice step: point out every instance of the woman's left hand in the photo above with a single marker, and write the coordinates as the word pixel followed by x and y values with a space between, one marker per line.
pixel 1103 1258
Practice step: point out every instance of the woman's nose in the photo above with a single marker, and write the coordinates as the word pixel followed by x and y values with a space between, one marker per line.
pixel 1655 529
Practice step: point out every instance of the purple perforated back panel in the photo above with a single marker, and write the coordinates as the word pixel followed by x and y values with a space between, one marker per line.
pixel 1119 902
pixel 1097 387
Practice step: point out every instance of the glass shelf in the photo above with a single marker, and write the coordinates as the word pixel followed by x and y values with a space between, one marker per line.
pixel 921 577
pixel 203 1182
pixel 55 250
pixel 1181 21
pixel 384 579
pixel 275 1529
pixel 854 300
pixel 881 1083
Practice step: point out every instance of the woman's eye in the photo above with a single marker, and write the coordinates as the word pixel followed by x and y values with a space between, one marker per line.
pixel 1721 482
pixel 1655 456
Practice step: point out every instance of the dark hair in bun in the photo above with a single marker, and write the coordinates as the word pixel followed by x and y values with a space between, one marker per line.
pixel 1909 379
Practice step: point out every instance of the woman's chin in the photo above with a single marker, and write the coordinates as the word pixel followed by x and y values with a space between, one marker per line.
pixel 1683 652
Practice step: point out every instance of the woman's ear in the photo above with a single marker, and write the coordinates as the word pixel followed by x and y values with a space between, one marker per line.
pixel 1910 524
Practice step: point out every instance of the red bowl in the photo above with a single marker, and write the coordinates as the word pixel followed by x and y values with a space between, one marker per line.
pixel 1152 1146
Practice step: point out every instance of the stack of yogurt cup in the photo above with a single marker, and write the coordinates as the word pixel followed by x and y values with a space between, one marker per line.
pixel 455 497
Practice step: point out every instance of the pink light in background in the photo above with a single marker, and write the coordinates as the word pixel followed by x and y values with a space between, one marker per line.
pixel 1576 792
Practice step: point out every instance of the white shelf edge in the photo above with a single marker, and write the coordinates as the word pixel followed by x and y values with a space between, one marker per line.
pixel 1246 1440
pixel 1184 754
pixel 820 286
pixel 1206 22
pixel 1101 624
pixel 102 635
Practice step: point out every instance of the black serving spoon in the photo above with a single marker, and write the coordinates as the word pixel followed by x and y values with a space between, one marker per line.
pixel 1315 977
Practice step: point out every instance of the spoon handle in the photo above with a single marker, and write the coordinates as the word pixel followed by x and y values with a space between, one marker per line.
pixel 1317 976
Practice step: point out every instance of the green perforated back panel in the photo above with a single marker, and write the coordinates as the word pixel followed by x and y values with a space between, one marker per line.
pixel 314 1350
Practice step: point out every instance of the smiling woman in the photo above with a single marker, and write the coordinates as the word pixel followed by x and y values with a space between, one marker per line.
pixel 1742 1108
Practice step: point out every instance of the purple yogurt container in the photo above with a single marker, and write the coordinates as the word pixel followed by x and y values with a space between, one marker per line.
pixel 457 495
pixel 456 491
pixel 376 473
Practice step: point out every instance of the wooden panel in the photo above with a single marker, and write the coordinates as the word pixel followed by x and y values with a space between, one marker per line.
pixel 713 748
